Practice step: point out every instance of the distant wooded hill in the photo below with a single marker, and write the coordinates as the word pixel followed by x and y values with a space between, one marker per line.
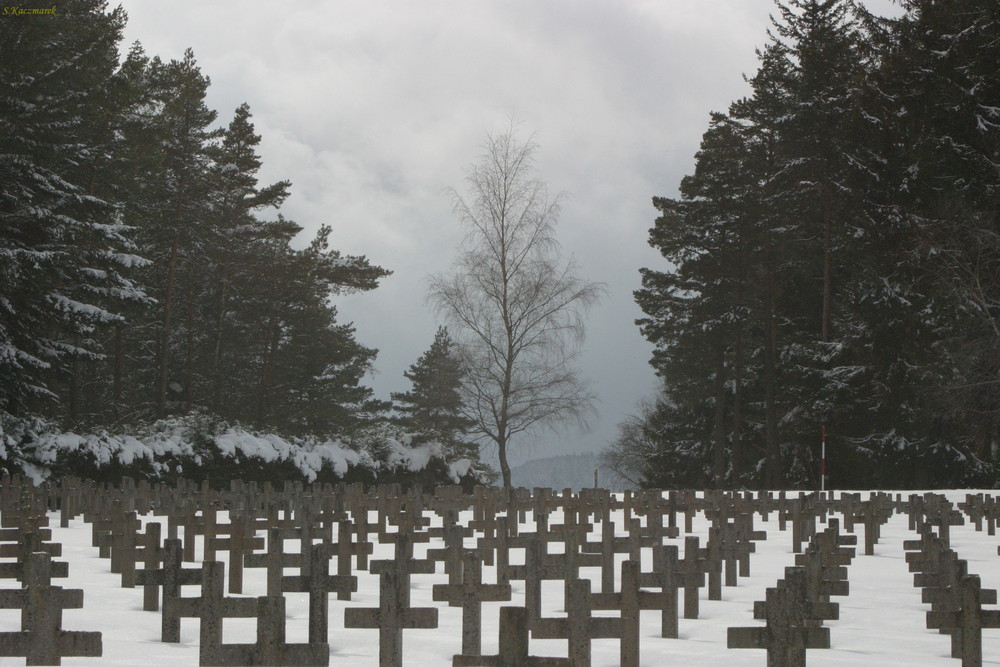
pixel 574 471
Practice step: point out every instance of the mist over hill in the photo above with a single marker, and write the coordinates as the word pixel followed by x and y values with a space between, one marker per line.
pixel 574 471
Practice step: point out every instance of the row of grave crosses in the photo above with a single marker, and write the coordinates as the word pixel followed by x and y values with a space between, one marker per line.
pixel 792 610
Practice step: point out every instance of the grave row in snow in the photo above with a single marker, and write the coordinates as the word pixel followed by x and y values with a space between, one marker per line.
pixel 595 543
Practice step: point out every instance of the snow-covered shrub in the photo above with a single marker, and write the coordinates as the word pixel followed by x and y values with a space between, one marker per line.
pixel 201 448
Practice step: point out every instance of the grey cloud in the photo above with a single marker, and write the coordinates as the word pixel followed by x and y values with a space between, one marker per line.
pixel 372 108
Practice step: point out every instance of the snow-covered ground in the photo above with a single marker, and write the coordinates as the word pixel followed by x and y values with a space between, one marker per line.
pixel 882 621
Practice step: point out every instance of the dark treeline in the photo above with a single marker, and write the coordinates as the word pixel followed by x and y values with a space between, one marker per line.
pixel 144 270
pixel 834 260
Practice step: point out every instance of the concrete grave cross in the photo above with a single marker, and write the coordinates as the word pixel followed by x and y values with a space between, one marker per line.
pixel 42 641
pixel 345 548
pixel 579 627
pixel 451 553
pixel 239 541
pixel 169 579
pixel 785 636
pixel 319 583
pixel 668 579
pixel 404 564
pixel 470 595
pixel 29 542
pixel 212 606
pixel 694 566
pixel 270 647
pixel 968 620
pixel 629 601
pixel 513 646
pixel 391 617
pixel 274 560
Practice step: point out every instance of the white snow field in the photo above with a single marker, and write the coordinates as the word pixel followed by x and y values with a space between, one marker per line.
pixel 882 620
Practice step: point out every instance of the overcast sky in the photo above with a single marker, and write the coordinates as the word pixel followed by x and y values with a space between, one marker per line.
pixel 372 108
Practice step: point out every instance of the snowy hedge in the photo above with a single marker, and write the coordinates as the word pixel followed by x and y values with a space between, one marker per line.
pixel 198 448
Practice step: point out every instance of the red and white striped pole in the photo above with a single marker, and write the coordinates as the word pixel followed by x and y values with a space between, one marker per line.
pixel 822 461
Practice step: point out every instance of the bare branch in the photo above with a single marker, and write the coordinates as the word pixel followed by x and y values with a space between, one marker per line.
pixel 516 309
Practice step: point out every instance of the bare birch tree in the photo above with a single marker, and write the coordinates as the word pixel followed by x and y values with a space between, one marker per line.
pixel 516 308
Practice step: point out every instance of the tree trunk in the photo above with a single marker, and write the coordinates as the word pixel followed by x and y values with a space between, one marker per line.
pixel 718 422
pixel 74 381
pixel 163 349
pixel 217 352
pixel 116 370
pixel 504 466
pixel 266 369
pixel 827 265
pixel 735 442
pixel 773 477
pixel 827 285
pixel 189 357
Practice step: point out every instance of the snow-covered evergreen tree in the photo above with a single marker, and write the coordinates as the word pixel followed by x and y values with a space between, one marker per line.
pixel 698 312
pixel 942 96
pixel 833 260
pixel 180 223
pixel 230 275
pixel 433 408
pixel 65 254
pixel 307 368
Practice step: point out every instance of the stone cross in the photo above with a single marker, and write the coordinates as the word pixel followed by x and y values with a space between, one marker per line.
pixel 16 570
pixel 184 517
pixel 745 537
pixel 513 646
pixel 451 553
pixel 122 540
pixel 506 538
pixel 270 647
pixel 785 636
pixel 404 564
pixel 170 578
pixel 239 542
pixel 152 557
pixel 391 617
pixel 29 542
pixel 69 500
pixel 629 602
pixel 42 641
pixel 693 567
pixel 610 545
pixel 145 547
pixel 968 621
pixel 275 560
pixel 578 627
pixel 668 579
pixel 362 529
pixel 345 548
pixel 319 583
pixel 212 606
pixel 470 595
pixel 873 514
pixel 539 565
pixel 826 574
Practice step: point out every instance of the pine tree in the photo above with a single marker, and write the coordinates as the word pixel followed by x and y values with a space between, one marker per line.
pixel 941 97
pixel 820 164
pixel 65 252
pixel 178 220
pixel 698 313
pixel 433 409
pixel 305 369
pixel 236 198
pixel 861 191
